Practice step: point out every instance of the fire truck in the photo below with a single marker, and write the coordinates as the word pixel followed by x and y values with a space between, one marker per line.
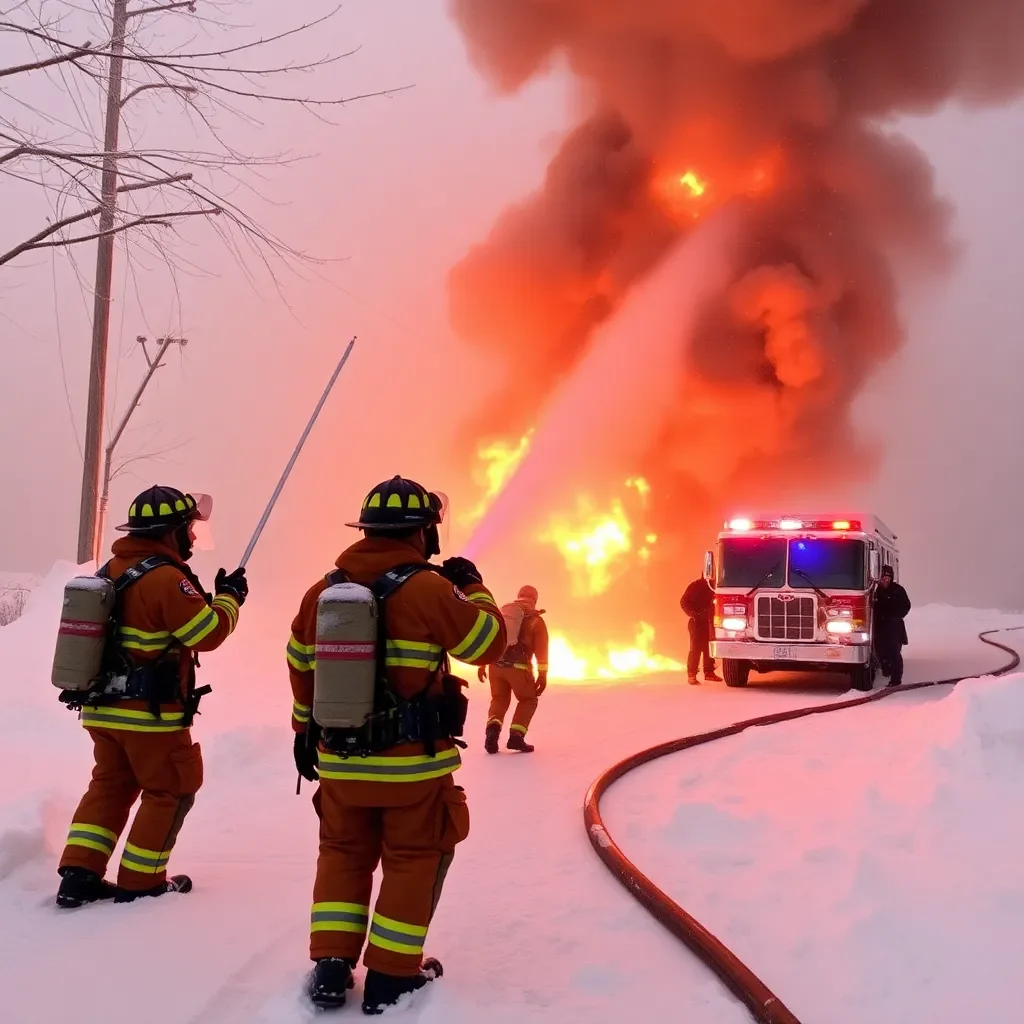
pixel 793 592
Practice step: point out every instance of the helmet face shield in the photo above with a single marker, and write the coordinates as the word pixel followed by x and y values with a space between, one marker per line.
pixel 204 506
pixel 440 500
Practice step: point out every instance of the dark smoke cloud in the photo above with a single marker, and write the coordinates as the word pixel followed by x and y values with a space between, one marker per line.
pixel 779 106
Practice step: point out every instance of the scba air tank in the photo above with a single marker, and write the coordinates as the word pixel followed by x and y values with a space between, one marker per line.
pixel 345 673
pixel 82 635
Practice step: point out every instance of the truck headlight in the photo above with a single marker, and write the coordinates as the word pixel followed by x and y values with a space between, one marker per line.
pixel 734 624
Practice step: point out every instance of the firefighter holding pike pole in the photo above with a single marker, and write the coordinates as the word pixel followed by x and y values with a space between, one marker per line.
pixel 125 659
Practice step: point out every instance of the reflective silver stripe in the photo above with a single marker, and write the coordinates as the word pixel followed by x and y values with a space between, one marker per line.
pixel 108 718
pixel 485 633
pixel 389 769
pixel 202 625
pixel 338 917
pixel 94 837
pixel 135 860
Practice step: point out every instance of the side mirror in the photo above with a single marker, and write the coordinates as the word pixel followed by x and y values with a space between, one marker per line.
pixel 875 565
pixel 709 566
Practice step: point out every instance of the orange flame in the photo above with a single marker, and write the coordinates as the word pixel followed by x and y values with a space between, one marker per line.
pixel 581 663
pixel 496 462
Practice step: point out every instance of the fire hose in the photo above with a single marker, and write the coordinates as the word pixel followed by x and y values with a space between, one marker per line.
pixel 764 1006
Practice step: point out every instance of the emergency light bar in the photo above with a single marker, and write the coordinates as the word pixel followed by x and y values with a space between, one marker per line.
pixel 789 525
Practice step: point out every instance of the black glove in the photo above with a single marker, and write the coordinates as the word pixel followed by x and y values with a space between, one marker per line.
pixel 234 584
pixel 460 571
pixel 305 756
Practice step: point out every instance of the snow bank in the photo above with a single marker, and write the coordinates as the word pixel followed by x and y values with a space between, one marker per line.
pixel 867 865
pixel 772 836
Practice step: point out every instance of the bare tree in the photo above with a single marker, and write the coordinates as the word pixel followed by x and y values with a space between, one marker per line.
pixel 153 186
pixel 101 188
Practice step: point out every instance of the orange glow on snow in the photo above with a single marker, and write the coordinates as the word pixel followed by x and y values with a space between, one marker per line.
pixel 496 462
pixel 572 662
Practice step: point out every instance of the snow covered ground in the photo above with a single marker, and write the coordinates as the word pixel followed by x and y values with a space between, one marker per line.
pixel 860 854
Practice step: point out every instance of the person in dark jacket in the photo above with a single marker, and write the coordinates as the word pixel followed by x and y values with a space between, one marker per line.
pixel 698 602
pixel 891 605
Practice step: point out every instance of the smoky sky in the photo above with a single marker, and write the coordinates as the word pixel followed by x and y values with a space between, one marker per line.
pixel 781 109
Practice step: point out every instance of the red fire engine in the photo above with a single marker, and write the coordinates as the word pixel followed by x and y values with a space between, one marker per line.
pixel 794 592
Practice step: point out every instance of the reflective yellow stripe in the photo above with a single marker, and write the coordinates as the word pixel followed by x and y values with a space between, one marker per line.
pixel 479 638
pixel 198 628
pixel 521 729
pixel 227 604
pixel 92 837
pixel 129 720
pixel 301 712
pixel 300 657
pixel 542 666
pixel 144 862
pixel 339 917
pixel 397 936
pixel 414 768
pixel 139 640
pixel 479 597
pixel 522 665
pixel 412 654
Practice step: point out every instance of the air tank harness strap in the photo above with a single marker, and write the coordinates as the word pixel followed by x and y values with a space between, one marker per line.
pixel 422 719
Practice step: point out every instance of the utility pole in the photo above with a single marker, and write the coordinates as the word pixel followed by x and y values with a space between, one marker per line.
pixel 154 365
pixel 87 532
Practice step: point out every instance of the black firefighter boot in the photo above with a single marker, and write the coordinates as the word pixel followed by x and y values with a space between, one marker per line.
pixel 176 883
pixel 330 980
pixel 79 886
pixel 491 737
pixel 517 741
pixel 383 990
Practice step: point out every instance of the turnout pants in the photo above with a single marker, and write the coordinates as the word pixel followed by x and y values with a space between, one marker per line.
pixel 411 829
pixel 506 682
pixel 167 769
pixel 700 640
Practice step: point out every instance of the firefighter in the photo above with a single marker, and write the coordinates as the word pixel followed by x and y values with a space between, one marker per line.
pixel 398 806
pixel 698 602
pixel 891 607
pixel 139 721
pixel 513 673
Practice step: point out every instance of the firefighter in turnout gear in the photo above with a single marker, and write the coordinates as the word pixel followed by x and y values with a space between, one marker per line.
pixel 513 675
pixel 393 802
pixel 139 715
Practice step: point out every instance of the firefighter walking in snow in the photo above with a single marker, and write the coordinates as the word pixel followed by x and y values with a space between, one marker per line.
pixel 512 674
pixel 891 607
pixel 140 711
pixel 698 602
pixel 386 792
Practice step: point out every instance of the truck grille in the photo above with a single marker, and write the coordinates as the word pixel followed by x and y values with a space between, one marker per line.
pixel 785 620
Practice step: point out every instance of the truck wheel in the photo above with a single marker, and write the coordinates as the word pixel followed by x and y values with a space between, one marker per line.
pixel 863 677
pixel 735 672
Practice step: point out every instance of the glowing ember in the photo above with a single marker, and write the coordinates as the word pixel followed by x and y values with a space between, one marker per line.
pixel 580 663
pixel 693 184
pixel 592 543
pixel 496 462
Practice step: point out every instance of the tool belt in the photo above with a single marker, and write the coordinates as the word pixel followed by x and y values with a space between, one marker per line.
pixel 423 719
pixel 155 682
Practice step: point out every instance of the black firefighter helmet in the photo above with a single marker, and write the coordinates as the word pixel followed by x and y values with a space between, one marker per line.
pixel 163 509
pixel 399 505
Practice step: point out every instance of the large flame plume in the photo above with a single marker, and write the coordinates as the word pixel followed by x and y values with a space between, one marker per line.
pixel 781 110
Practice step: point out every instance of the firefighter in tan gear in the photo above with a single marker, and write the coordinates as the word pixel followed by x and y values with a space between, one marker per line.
pixel 396 803
pixel 513 675
pixel 139 717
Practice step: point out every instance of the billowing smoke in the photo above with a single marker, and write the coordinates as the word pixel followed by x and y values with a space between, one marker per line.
pixel 779 108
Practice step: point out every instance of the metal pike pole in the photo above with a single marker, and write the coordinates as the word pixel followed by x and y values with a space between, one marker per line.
pixel 295 454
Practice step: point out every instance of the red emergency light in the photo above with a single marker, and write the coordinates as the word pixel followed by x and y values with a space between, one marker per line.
pixel 744 525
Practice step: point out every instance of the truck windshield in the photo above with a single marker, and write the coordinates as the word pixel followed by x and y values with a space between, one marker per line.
pixel 752 561
pixel 826 563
